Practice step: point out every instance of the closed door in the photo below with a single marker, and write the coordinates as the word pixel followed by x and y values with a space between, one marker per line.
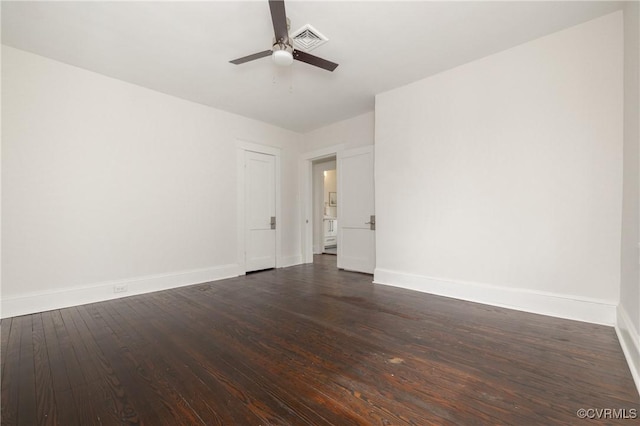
pixel 260 211
pixel 356 230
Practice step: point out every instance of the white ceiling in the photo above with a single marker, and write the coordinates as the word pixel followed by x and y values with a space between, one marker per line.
pixel 183 48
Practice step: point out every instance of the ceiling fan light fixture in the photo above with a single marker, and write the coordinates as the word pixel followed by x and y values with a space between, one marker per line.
pixel 282 54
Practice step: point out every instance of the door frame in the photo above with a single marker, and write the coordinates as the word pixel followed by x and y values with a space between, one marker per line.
pixel 241 147
pixel 306 195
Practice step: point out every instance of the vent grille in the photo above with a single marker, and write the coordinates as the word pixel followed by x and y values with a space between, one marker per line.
pixel 308 38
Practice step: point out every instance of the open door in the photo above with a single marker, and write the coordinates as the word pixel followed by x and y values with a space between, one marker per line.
pixel 356 227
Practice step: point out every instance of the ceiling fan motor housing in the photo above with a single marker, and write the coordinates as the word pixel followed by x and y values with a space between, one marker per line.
pixel 282 54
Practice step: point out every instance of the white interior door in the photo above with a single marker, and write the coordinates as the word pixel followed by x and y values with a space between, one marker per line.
pixel 356 235
pixel 260 211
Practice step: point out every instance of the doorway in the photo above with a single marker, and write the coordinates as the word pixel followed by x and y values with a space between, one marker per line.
pixel 325 206
pixel 355 243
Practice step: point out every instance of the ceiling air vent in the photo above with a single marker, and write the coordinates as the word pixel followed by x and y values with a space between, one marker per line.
pixel 308 38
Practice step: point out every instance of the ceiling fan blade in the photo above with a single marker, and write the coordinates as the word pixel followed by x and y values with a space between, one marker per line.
pixel 279 18
pixel 251 57
pixel 301 56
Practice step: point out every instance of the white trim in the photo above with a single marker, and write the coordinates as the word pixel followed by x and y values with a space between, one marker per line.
pixel 552 304
pixel 358 151
pixel 319 154
pixel 241 147
pixel 30 303
pixel 256 147
pixel 240 253
pixel 278 211
pixel 306 195
pixel 630 342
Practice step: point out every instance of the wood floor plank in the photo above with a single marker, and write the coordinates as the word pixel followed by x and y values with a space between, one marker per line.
pixel 116 406
pixel 532 364
pixel 183 371
pixel 451 355
pixel 325 350
pixel 323 365
pixel 214 358
pixel 5 331
pixel 101 384
pixel 27 388
pixel 74 365
pixel 142 392
pixel 306 345
pixel 46 412
pixel 66 409
pixel 10 376
pixel 151 363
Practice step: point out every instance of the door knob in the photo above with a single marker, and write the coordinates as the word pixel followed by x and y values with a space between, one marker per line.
pixel 372 222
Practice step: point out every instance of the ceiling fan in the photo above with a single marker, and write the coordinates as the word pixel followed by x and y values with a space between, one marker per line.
pixel 282 51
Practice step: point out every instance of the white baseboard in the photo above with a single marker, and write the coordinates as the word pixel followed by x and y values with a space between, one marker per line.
pixel 63 298
pixel 630 341
pixel 286 261
pixel 552 304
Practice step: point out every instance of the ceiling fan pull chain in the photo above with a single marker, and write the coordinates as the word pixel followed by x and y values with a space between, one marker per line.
pixel 290 81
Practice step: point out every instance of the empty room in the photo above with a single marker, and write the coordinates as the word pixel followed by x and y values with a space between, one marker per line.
pixel 301 212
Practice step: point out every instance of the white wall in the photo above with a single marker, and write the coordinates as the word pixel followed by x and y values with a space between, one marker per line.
pixel 500 180
pixel 629 308
pixel 351 133
pixel 104 181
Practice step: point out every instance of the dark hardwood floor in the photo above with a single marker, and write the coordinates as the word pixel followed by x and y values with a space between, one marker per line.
pixel 307 345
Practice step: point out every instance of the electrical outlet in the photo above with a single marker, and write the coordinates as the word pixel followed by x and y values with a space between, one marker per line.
pixel 120 288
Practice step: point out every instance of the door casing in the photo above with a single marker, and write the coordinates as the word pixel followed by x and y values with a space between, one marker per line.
pixel 306 196
pixel 241 147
